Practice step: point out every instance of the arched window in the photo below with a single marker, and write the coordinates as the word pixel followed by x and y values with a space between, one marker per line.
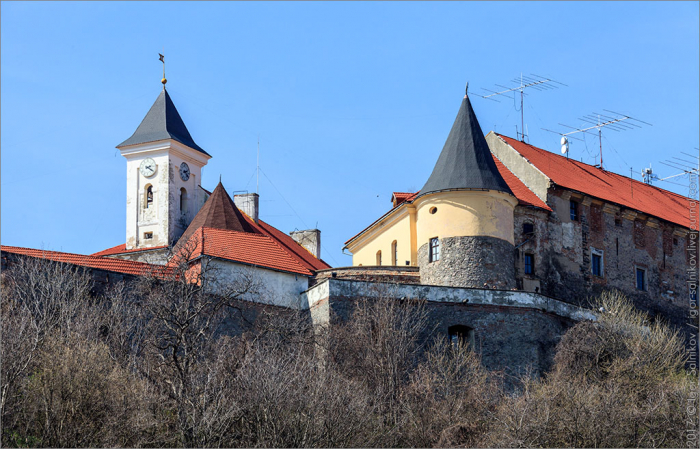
pixel 379 257
pixel 394 254
pixel 183 200
pixel 461 336
pixel 148 196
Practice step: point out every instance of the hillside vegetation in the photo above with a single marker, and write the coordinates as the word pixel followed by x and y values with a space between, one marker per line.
pixel 150 364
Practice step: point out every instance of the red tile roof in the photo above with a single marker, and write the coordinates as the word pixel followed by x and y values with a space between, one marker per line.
pixel 102 263
pixel 525 196
pixel 245 247
pixel 606 185
pixel 121 249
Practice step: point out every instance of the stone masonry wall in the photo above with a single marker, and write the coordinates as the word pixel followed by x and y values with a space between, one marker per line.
pixel 479 262
pixel 628 240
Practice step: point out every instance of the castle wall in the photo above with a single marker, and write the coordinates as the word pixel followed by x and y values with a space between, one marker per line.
pixel 513 331
pixel 627 240
pixel 478 262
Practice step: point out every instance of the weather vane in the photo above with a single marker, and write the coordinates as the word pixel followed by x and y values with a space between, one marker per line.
pixel 162 59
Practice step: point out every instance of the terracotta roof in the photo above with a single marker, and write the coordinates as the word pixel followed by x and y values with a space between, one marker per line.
pixel 303 255
pixel 121 249
pixel 102 263
pixel 218 212
pixel 606 185
pixel 245 247
pixel 525 196
pixel 258 244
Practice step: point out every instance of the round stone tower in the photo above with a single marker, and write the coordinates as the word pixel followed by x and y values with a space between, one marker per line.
pixel 464 214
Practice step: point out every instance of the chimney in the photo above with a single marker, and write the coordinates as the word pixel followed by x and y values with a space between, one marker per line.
pixel 248 204
pixel 309 239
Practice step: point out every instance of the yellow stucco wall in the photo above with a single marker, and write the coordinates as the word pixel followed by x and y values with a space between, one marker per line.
pixel 459 213
pixel 465 213
pixel 395 226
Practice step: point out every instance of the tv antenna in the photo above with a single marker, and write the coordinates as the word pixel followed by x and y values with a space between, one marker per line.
pixel 616 122
pixel 532 81
pixel 685 166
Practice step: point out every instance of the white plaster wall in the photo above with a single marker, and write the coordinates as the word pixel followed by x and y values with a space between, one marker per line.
pixel 163 218
pixel 272 287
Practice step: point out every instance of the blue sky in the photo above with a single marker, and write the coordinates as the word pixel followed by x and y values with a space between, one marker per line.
pixel 351 100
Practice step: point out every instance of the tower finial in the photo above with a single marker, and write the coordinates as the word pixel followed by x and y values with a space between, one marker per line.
pixel 162 59
pixel 466 89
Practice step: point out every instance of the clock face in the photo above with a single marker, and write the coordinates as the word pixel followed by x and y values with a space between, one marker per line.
pixel 184 171
pixel 148 167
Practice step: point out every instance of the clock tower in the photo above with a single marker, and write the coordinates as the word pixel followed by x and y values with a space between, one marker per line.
pixel 163 177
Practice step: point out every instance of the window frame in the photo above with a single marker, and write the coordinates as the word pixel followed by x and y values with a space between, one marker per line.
pixel 645 279
pixel 394 253
pixel 379 258
pixel 574 211
pixel 434 249
pixel 530 256
pixel 595 252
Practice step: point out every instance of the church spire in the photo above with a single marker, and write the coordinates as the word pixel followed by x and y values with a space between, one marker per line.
pixel 162 122
pixel 465 161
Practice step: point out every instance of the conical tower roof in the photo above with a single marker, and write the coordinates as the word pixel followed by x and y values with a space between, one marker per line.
pixel 465 161
pixel 219 212
pixel 162 122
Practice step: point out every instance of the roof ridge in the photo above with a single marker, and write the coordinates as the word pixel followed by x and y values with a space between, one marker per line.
pixel 579 163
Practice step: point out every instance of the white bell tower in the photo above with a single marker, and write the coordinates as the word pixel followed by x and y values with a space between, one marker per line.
pixel 163 177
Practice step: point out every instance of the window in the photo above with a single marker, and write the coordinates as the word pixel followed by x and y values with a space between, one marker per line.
pixel 597 264
pixel 528 228
pixel 618 222
pixel 434 249
pixel 461 336
pixel 183 200
pixel 149 196
pixel 641 279
pixel 147 235
pixel 433 210
pixel 379 257
pixel 394 254
pixel 573 209
pixel 529 264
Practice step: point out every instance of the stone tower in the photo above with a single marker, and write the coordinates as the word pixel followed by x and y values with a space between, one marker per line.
pixel 464 214
pixel 163 177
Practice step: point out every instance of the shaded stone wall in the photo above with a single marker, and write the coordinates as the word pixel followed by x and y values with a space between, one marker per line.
pixel 514 340
pixel 478 262
pixel 562 248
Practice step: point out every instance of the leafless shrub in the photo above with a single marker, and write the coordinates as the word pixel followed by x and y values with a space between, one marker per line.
pixel 617 382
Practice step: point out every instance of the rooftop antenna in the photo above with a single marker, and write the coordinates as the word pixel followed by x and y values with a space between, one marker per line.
pixel 533 81
pixel 598 122
pixel 685 166
pixel 648 175
pixel 257 170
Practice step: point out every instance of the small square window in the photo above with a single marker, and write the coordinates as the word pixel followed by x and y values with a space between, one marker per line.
pixel 434 249
pixel 573 210
pixel 461 336
pixel 529 264
pixel 147 235
pixel 641 279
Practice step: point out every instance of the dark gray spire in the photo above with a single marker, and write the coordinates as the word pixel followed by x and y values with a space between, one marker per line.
pixel 162 122
pixel 465 161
